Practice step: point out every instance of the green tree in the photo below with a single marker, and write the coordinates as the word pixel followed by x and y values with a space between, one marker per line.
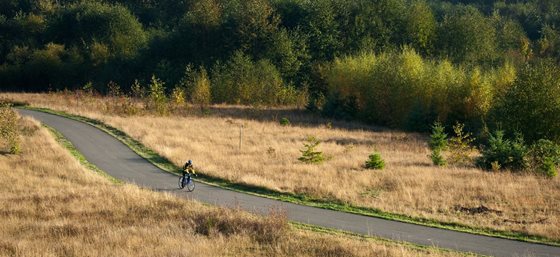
pixel 157 98
pixel 322 30
pixel 532 104
pixel 201 94
pixel 503 153
pixel 255 23
pixel 511 37
pixel 544 157
pixel 549 43
pixel 420 26
pixel 87 23
pixel 243 81
pixel 465 35
pixel 438 144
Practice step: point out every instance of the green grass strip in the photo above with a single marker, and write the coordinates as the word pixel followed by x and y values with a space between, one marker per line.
pixel 79 156
pixel 330 204
pixel 378 240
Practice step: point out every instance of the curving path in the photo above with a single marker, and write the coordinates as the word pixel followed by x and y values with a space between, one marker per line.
pixel 115 158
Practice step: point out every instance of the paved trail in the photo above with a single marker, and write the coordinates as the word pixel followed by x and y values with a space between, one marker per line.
pixel 119 161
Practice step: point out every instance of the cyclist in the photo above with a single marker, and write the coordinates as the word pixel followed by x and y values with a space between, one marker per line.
pixel 188 169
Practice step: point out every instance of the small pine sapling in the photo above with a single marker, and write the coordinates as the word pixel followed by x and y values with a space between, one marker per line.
pixel 309 154
pixel 438 144
pixel 375 162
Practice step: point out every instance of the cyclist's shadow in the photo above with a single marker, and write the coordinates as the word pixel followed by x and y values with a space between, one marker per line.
pixel 168 190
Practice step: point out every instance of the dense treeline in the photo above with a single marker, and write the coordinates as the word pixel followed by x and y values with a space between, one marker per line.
pixel 401 63
pixel 401 89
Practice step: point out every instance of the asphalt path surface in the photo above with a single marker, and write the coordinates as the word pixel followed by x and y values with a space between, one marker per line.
pixel 115 158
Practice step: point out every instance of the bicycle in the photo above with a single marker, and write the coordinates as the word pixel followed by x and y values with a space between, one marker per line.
pixel 186 181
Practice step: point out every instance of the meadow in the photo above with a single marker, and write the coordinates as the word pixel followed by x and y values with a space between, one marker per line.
pixel 268 157
pixel 53 206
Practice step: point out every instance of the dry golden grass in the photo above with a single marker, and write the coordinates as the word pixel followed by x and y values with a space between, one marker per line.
pixel 52 206
pixel 409 185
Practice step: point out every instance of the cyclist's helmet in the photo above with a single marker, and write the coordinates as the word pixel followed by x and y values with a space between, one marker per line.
pixel 189 162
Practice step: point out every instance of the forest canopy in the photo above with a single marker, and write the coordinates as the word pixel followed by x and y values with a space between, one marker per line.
pixel 399 63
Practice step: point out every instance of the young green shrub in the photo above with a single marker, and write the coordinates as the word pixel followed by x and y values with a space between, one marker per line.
pixel 114 90
pixel 137 90
pixel 495 166
pixel 438 144
pixel 9 132
pixel 502 153
pixel 201 93
pixel 178 97
pixel 285 121
pixel 309 154
pixel 548 168
pixel 460 146
pixel 545 157
pixel 88 88
pixel 157 98
pixel 375 162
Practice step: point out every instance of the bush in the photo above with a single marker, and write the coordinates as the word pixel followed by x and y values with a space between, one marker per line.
pixel 545 157
pixel 460 146
pixel 375 162
pixel 548 168
pixel 531 105
pixel 178 96
pixel 114 90
pixel 137 90
pixel 88 88
pixel 285 122
pixel 309 154
pixel 502 153
pixel 9 132
pixel 201 94
pixel 438 144
pixel 156 99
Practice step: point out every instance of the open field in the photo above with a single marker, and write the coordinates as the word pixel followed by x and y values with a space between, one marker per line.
pixel 52 206
pixel 268 157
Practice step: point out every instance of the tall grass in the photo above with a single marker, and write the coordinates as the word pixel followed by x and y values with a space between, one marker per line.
pixel 270 152
pixel 52 206
pixel 9 130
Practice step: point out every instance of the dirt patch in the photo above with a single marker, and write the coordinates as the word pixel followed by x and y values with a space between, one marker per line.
pixel 527 222
pixel 477 210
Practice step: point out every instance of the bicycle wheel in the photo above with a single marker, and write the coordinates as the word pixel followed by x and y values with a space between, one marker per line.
pixel 181 182
pixel 190 185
